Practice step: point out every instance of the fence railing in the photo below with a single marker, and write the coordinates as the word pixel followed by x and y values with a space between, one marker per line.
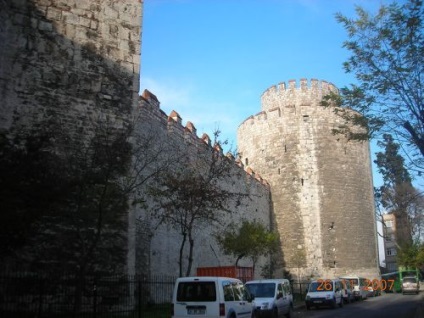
pixel 39 295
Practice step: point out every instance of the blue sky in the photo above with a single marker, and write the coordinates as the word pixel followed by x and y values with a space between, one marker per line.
pixel 210 60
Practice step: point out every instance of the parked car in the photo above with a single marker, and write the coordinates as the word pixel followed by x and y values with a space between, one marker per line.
pixel 324 292
pixel 410 285
pixel 272 297
pixel 373 291
pixel 211 297
pixel 347 292
pixel 359 286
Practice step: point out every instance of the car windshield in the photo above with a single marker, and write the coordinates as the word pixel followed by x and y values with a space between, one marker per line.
pixel 262 290
pixel 409 280
pixel 321 286
pixel 352 281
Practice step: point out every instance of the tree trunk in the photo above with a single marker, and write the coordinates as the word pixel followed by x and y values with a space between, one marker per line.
pixel 190 255
pixel 180 262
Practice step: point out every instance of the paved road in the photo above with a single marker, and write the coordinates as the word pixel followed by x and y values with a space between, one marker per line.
pixel 385 306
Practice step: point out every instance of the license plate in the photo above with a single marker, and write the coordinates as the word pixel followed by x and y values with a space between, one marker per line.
pixel 317 301
pixel 196 311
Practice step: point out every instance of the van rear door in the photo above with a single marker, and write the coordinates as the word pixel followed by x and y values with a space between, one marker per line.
pixel 196 299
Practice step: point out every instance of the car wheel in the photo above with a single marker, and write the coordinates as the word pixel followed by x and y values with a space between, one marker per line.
pixel 308 307
pixel 334 303
pixel 275 313
pixel 341 302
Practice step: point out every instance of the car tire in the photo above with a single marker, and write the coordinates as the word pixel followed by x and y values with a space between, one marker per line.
pixel 341 302
pixel 334 304
pixel 275 313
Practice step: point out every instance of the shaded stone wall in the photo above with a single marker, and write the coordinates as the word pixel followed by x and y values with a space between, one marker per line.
pixel 76 59
pixel 75 62
pixel 321 184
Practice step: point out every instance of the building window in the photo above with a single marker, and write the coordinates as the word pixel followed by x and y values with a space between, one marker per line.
pixel 391 266
pixel 246 161
pixel 389 237
pixel 391 252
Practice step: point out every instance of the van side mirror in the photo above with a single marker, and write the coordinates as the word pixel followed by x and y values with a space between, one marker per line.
pixel 279 295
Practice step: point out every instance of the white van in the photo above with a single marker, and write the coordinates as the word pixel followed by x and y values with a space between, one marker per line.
pixel 209 297
pixel 359 286
pixel 272 297
pixel 324 292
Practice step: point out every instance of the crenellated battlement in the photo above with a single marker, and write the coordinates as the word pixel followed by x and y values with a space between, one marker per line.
pixel 295 93
pixel 173 123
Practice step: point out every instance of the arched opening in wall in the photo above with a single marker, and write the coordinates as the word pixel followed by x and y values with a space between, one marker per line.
pixel 246 161
pixel 305 118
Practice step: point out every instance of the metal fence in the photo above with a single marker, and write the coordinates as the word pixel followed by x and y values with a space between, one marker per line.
pixel 30 295
pixel 41 295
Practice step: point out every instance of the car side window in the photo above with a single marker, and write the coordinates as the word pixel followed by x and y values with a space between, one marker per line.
pixel 238 295
pixel 280 290
pixel 245 293
pixel 287 289
pixel 228 291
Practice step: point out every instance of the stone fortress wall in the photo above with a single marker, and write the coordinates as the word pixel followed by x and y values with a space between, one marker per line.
pixel 157 248
pixel 78 60
pixel 321 183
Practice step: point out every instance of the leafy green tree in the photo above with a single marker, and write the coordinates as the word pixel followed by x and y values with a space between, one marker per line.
pixel 411 256
pixel 387 59
pixel 398 196
pixel 397 184
pixel 250 239
pixel 192 195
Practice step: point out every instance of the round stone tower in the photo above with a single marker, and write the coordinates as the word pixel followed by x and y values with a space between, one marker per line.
pixel 321 183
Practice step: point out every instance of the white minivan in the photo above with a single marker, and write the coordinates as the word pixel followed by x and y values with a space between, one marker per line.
pixel 272 297
pixel 209 297
pixel 359 286
pixel 324 292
